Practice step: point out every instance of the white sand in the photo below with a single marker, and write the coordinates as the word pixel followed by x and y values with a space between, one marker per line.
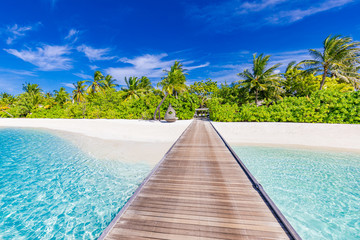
pixel 344 137
pixel 148 141
pixel 125 140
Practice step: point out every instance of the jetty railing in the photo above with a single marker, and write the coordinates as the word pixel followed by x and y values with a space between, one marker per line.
pixel 258 187
pixel 135 194
pixel 280 218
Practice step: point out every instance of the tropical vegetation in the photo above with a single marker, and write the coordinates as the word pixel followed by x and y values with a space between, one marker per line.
pixel 323 89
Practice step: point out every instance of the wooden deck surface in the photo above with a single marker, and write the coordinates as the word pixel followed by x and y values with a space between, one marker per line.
pixel 199 191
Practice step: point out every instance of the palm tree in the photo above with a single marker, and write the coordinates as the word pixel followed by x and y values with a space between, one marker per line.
pixel 78 92
pixel 291 77
pixel 5 101
pixel 351 74
pixel 61 96
pixel 298 82
pixel 31 98
pixel 144 83
pixel 338 59
pixel 7 98
pixel 132 89
pixel 97 84
pixel 33 93
pixel 261 78
pixel 48 95
pixel 32 89
pixel 173 82
pixel 109 82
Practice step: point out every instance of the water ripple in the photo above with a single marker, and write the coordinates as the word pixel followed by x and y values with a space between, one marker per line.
pixel 50 189
pixel 317 191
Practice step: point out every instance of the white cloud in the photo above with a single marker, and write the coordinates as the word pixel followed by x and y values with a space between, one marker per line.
pixel 148 65
pixel 94 54
pixel 256 6
pixel 83 76
pixel 17 72
pixel 289 56
pixel 148 61
pixel 12 83
pixel 228 72
pixel 69 85
pixel 5 86
pixel 231 14
pixel 294 15
pixel 72 35
pixel 14 32
pixel 198 66
pixel 93 67
pixel 46 58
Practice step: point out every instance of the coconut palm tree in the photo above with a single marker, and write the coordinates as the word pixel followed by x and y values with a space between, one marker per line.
pixel 173 82
pixel 144 83
pixel 61 96
pixel 97 84
pixel 132 89
pixel 109 82
pixel 79 91
pixel 297 82
pixel 33 93
pixel 48 95
pixel 32 89
pixel 350 74
pixel 30 99
pixel 338 58
pixel 261 79
pixel 136 87
pixel 7 98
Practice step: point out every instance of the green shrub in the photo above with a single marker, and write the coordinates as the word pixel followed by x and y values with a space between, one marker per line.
pixel 326 106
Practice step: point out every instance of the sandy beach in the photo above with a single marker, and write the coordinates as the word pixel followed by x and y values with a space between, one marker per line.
pixel 125 140
pixel 342 137
pixel 148 141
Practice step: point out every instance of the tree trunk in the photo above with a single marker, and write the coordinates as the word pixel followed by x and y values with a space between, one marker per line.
pixel 8 113
pixel 158 107
pixel 84 110
pixel 323 79
pixel 256 97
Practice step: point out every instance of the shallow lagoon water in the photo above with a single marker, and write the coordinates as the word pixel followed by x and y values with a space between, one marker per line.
pixel 317 191
pixel 50 189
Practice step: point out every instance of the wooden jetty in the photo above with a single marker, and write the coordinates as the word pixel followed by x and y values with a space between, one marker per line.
pixel 200 190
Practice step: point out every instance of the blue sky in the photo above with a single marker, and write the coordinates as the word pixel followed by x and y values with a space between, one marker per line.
pixel 57 42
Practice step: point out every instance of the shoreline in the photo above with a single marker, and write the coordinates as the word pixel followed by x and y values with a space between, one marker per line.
pixel 110 129
pixel 131 141
pixel 315 136
pixel 117 150
pixel 299 147
pixel 145 141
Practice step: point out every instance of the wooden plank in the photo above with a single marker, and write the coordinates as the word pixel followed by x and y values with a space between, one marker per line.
pixel 198 192
pixel 193 230
pixel 202 226
pixel 207 216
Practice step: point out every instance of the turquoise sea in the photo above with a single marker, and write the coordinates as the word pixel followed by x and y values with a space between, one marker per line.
pixel 317 191
pixel 50 189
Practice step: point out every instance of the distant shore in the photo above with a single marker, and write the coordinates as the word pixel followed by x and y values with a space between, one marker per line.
pixel 337 137
pixel 125 140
